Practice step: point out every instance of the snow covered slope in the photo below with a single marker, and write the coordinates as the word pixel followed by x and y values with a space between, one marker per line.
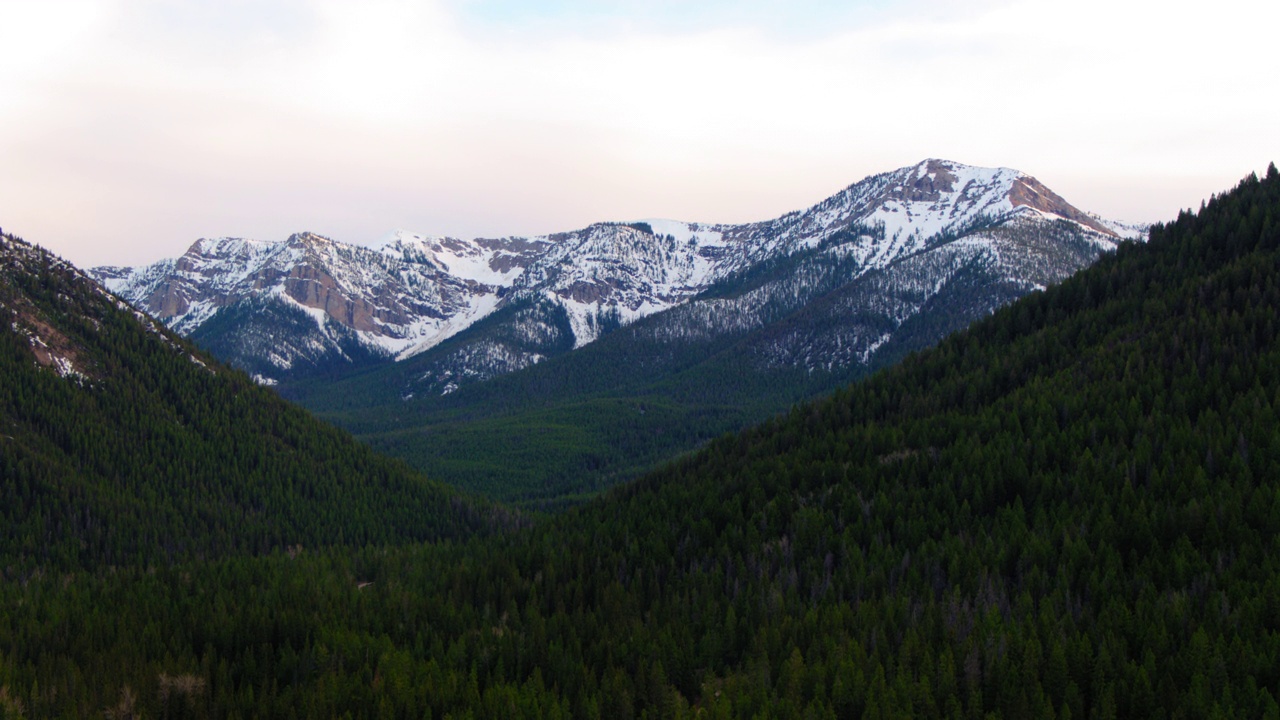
pixel 409 294
pixel 394 300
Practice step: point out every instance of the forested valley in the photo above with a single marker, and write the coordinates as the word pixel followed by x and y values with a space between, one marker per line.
pixel 1068 510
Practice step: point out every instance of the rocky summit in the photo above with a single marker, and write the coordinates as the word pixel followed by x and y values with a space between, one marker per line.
pixel 881 250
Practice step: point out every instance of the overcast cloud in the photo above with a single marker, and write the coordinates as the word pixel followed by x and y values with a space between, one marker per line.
pixel 128 129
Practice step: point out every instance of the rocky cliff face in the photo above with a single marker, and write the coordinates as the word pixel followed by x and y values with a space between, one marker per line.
pixel 404 296
pixel 412 293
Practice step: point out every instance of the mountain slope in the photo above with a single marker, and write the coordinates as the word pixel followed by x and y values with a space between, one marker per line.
pixel 537 370
pixel 413 292
pixel 121 443
pixel 306 304
pixel 610 275
pixel 751 344
pixel 1068 510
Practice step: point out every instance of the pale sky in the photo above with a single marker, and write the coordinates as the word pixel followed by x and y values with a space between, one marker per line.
pixel 130 128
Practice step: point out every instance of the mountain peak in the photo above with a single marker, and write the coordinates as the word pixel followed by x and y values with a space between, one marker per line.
pixel 1027 191
pixel 409 292
pixel 308 238
pixel 226 246
pixel 934 176
pixel 401 236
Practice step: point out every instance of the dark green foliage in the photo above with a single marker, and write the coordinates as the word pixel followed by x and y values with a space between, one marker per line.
pixel 584 421
pixel 243 334
pixel 781 331
pixel 559 455
pixel 155 453
pixel 1070 510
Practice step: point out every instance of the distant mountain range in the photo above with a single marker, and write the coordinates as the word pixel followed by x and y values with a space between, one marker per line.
pixel 310 305
pixel 535 369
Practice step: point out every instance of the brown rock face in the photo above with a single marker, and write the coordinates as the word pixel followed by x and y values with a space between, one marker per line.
pixel 167 301
pixel 1030 192
pixel 585 292
pixel 319 291
pixel 930 189
pixel 47 343
pixel 510 253
pixel 384 294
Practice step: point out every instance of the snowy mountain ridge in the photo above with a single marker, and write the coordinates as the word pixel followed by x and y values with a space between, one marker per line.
pixel 409 293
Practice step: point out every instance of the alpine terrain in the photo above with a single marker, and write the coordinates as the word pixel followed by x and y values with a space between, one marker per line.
pixel 546 367
pixel 1067 510
pixel 288 309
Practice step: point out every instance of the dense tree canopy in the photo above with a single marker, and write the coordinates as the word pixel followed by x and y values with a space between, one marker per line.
pixel 150 451
pixel 1070 510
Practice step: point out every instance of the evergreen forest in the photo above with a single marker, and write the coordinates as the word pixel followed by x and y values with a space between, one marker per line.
pixel 1068 510
pixel 149 451
pixel 788 329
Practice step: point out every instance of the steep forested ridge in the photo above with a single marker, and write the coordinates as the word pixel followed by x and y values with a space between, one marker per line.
pixel 121 444
pixel 1070 510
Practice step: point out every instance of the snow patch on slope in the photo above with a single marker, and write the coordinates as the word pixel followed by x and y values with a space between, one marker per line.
pixel 410 292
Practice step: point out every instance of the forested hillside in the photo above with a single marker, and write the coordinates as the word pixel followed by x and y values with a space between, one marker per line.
pixel 619 346
pixel 1069 510
pixel 787 330
pixel 122 444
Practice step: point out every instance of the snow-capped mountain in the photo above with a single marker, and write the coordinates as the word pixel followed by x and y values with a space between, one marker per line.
pixel 290 308
pixel 311 301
